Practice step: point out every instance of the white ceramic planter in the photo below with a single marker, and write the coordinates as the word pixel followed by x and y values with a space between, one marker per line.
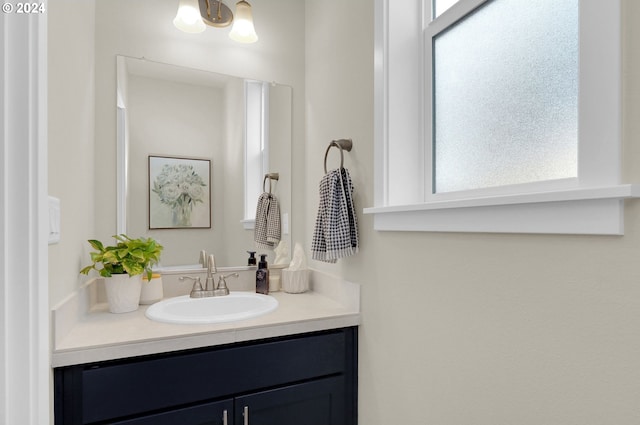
pixel 151 291
pixel 123 292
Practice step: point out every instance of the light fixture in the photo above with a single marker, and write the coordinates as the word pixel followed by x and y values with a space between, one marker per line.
pixel 243 30
pixel 194 14
pixel 188 18
pixel 215 13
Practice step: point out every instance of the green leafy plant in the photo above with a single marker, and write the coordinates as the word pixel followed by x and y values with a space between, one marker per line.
pixel 130 256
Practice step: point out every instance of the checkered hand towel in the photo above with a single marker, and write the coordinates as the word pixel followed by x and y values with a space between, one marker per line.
pixel 267 229
pixel 336 231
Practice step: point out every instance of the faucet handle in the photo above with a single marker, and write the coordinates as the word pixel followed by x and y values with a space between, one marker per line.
pixel 197 284
pixel 222 282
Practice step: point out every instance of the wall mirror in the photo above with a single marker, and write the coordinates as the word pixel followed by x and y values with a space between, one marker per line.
pixel 166 110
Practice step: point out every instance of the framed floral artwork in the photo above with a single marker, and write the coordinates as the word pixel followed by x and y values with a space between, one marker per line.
pixel 179 193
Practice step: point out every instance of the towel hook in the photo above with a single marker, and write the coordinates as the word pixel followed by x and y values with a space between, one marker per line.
pixel 342 144
pixel 270 176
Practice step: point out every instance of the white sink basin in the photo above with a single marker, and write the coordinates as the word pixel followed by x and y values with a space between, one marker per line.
pixel 228 308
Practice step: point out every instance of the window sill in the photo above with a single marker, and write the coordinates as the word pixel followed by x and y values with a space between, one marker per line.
pixel 249 223
pixel 588 211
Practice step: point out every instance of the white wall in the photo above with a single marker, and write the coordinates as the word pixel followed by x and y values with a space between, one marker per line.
pixel 82 100
pixel 479 329
pixel 146 30
pixel 71 138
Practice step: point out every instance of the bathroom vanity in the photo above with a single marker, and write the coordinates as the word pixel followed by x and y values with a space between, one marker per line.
pixel 309 378
pixel 295 365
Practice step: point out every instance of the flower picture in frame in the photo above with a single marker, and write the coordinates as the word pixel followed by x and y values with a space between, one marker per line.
pixel 179 192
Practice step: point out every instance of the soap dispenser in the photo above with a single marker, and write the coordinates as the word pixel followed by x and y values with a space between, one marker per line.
pixel 251 261
pixel 262 276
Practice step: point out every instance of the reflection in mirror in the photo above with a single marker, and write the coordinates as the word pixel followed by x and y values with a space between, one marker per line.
pixel 172 111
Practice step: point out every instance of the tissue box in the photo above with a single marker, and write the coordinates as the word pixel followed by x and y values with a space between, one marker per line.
pixel 295 281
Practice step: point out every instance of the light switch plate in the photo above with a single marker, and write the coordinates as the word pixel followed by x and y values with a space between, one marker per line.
pixel 285 224
pixel 54 220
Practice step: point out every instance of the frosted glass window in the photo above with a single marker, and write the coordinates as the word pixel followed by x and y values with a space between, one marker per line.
pixel 505 87
pixel 440 6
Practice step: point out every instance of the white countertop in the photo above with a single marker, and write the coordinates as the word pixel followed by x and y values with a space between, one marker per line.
pixel 98 335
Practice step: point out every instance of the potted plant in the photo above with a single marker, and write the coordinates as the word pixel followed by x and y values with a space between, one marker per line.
pixel 122 269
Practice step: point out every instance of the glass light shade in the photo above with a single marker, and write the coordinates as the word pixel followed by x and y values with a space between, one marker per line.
pixel 188 18
pixel 243 30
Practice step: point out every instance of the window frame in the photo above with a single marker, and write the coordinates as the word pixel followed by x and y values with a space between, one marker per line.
pixel 256 146
pixel 589 204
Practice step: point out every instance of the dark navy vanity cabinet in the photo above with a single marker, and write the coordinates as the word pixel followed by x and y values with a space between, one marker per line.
pixel 308 379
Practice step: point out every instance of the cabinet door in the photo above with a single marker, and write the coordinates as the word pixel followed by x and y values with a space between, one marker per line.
pixel 319 402
pixel 218 413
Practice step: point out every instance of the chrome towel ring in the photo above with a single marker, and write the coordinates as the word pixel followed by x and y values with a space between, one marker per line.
pixel 342 144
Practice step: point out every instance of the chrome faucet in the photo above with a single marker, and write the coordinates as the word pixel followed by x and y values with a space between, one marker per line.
pixel 211 270
pixel 210 289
